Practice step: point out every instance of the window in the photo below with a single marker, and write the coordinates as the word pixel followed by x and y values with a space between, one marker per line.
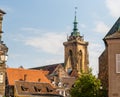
pixel 48 89
pixel 1 77
pixel 24 88
pixel 37 89
pixel 117 63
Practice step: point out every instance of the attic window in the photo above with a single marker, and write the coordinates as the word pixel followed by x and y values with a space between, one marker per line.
pixel 48 90
pixel 24 88
pixel 117 63
pixel 37 89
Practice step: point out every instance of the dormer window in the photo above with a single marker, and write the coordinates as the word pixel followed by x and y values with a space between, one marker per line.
pixel 37 89
pixel 48 90
pixel 24 88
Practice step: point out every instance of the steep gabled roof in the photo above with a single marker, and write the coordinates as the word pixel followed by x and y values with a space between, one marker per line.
pixel 17 74
pixel 114 29
pixel 49 68
pixel 115 35
pixel 1 11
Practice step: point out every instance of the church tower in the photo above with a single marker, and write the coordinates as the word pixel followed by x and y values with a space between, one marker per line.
pixel 75 51
pixel 3 57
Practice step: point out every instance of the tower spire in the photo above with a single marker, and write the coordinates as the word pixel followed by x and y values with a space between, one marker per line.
pixel 75 21
pixel 75 29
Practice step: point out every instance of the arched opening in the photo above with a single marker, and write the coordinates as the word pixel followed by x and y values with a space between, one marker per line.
pixel 80 58
pixel 71 58
pixel 69 62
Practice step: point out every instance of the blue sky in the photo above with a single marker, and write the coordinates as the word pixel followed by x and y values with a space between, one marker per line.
pixel 34 30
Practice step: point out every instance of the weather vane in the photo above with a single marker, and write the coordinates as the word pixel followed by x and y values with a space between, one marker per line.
pixel 75 11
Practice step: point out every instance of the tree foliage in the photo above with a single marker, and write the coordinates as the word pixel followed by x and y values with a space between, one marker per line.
pixel 87 85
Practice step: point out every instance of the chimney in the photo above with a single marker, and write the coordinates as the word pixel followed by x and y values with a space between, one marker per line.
pixel 25 77
pixel 39 80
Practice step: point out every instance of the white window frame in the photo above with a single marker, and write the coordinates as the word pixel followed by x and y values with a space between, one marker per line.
pixel 117 63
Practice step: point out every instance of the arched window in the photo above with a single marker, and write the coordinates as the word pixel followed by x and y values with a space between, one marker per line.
pixel 80 58
pixel 70 52
pixel 71 58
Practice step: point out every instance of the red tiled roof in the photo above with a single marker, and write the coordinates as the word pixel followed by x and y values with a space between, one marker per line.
pixel 16 74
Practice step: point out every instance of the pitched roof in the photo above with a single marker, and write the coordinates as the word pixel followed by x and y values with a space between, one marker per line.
pixel 33 88
pixel 114 29
pixel 16 74
pixel 1 11
pixel 49 68
pixel 115 35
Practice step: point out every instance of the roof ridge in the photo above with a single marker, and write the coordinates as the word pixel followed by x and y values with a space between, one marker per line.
pixel 114 28
pixel 24 69
pixel 48 65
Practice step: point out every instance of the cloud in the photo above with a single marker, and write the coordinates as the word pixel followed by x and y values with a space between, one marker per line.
pixel 114 7
pixel 101 27
pixel 82 25
pixel 95 49
pixel 31 30
pixel 49 42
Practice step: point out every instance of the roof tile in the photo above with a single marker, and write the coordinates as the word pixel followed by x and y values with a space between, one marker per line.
pixel 16 74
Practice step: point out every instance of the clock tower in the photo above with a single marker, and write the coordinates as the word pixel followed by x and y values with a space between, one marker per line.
pixel 75 51
pixel 3 56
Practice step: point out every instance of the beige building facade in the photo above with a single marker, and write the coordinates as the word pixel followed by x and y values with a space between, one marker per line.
pixel 109 61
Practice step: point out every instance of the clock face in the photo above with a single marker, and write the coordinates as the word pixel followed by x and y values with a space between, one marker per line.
pixel 1 77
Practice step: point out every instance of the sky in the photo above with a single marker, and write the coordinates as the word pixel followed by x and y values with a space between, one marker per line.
pixel 34 30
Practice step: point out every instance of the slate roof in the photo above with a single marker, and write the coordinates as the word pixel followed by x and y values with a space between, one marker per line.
pixel 115 35
pixel 49 68
pixel 17 74
pixel 33 88
pixel 114 29
pixel 1 11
